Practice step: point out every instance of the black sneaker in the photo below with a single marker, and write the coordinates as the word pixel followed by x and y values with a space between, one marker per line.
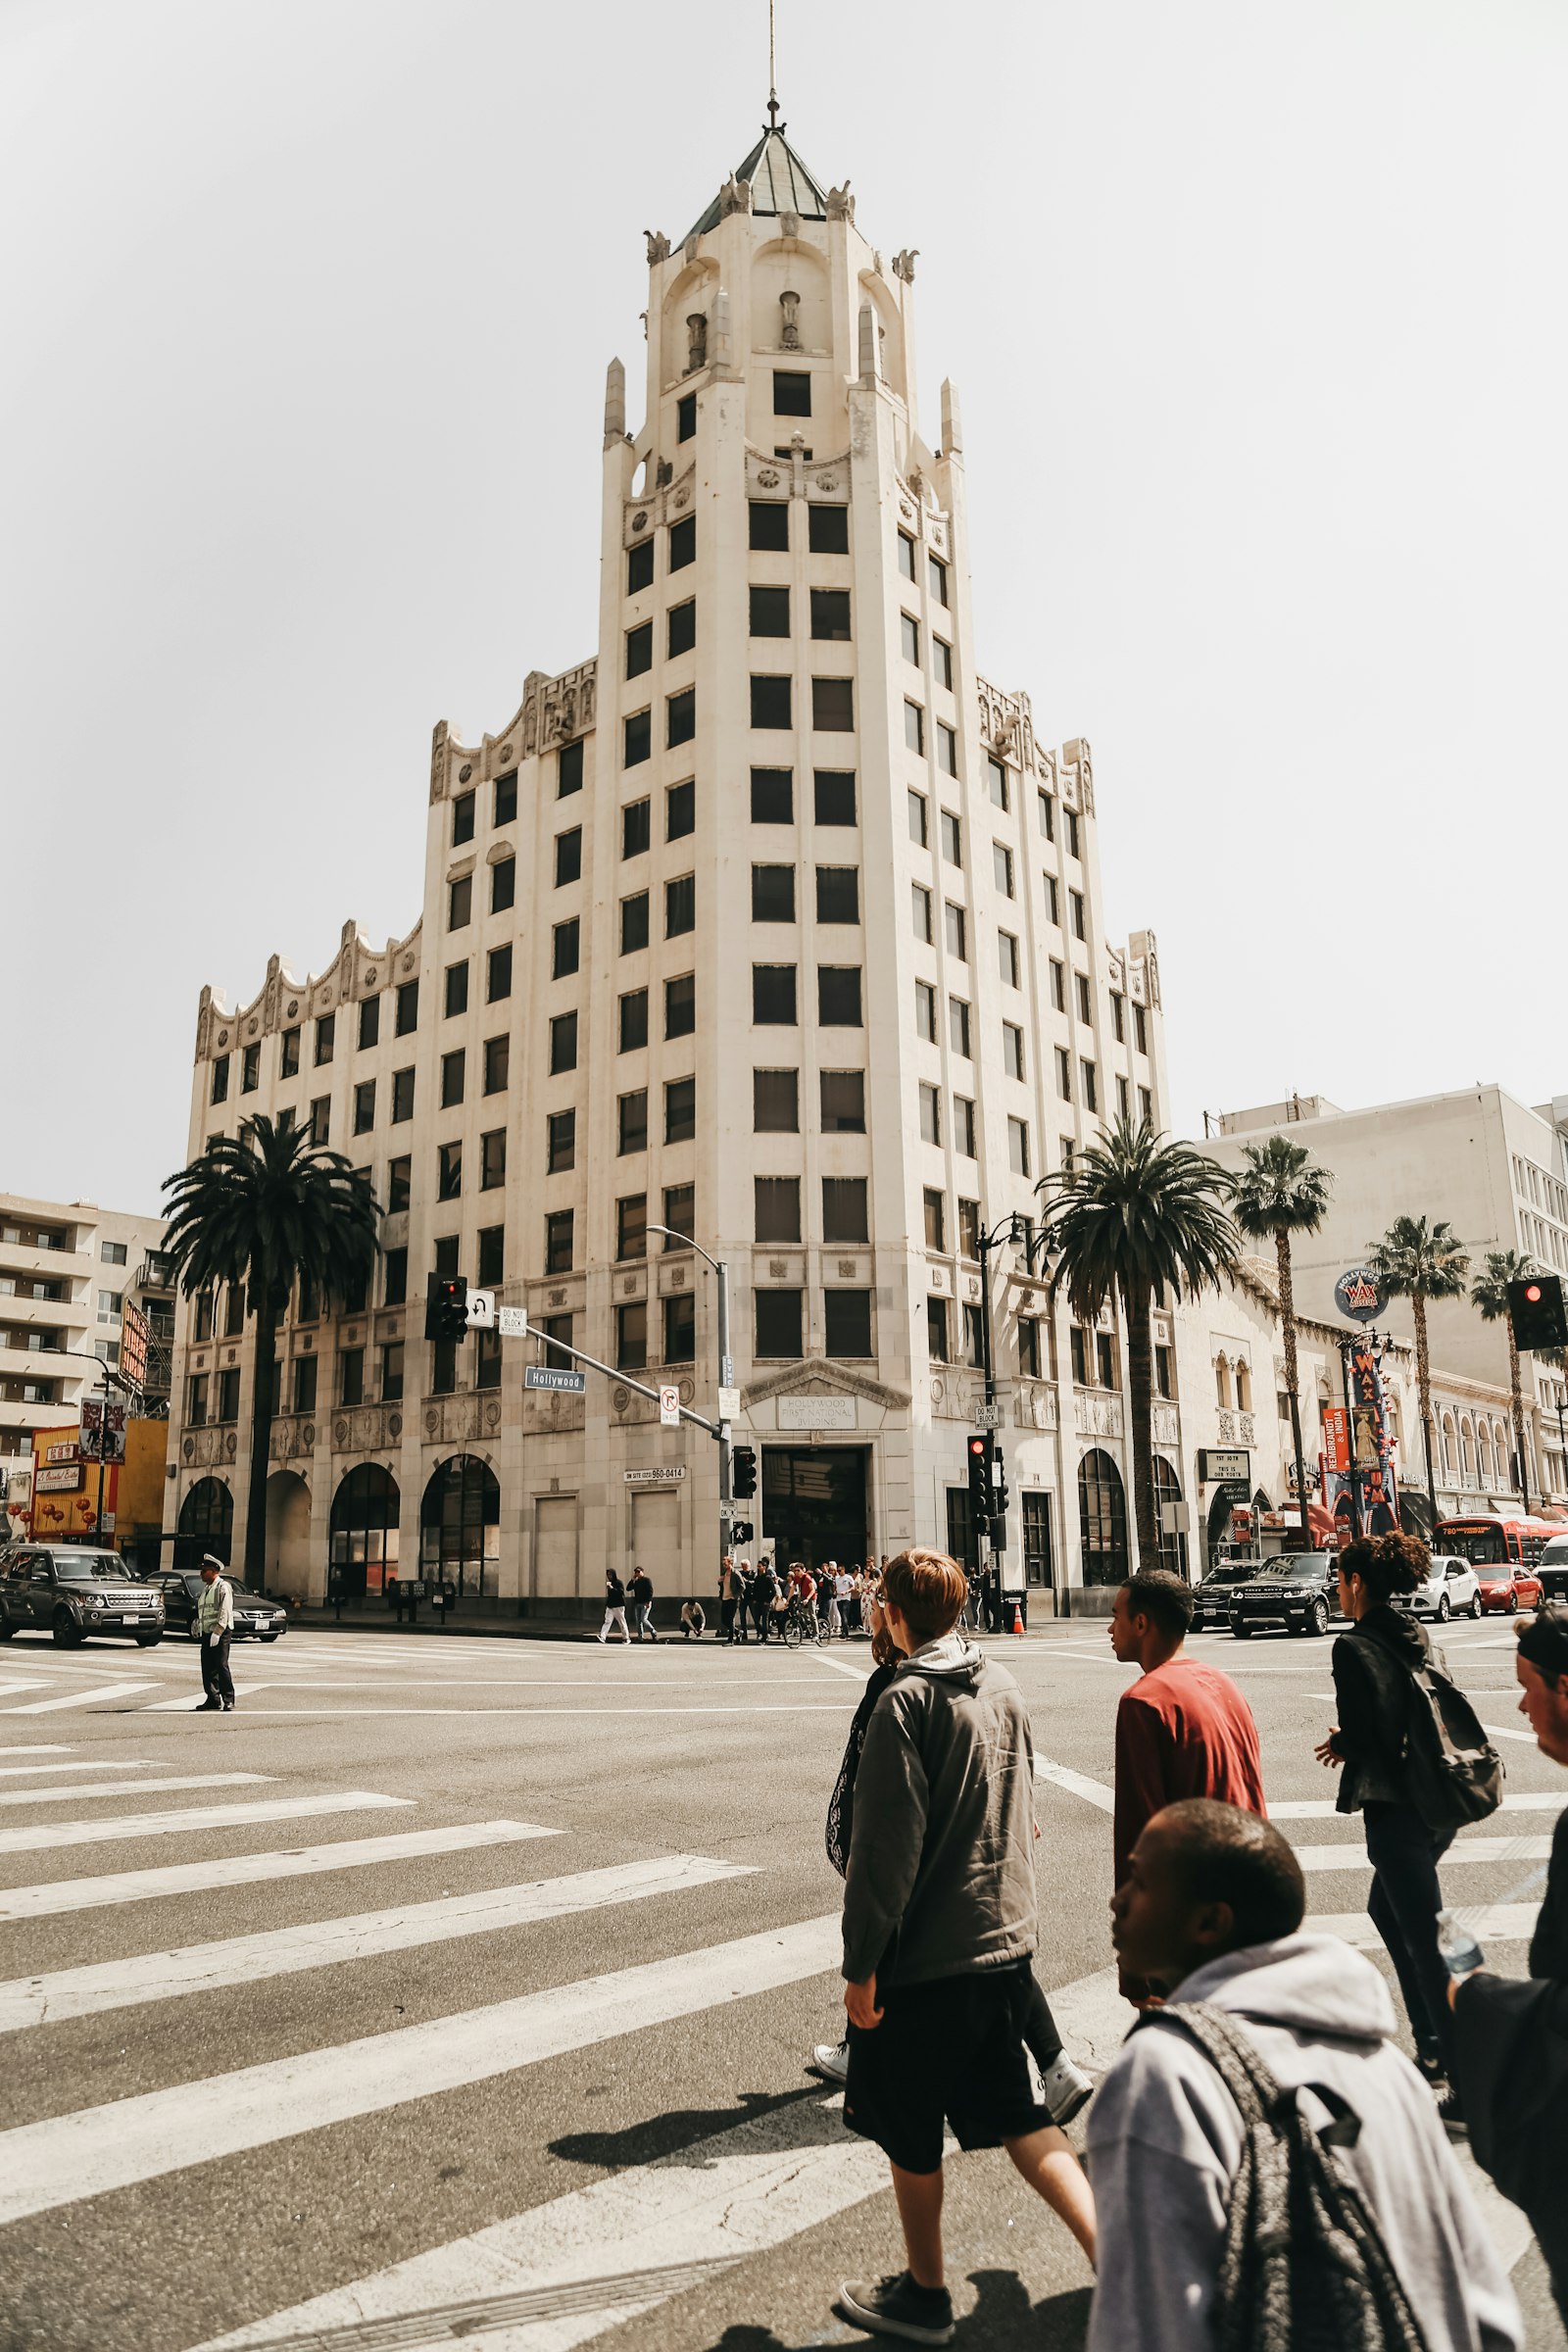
pixel 897 2306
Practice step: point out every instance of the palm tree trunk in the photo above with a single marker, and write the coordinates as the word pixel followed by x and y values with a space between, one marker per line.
pixel 1423 1390
pixel 253 1565
pixel 1140 1409
pixel 1516 1386
pixel 1293 1384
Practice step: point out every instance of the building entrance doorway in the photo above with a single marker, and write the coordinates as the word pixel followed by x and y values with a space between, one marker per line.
pixel 816 1504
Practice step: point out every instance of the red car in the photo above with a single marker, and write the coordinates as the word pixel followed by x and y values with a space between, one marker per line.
pixel 1505 1588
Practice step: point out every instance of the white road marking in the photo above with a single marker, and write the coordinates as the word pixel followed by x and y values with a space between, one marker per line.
pixel 8 1687
pixel 1323 1808
pixel 542 1714
pixel 1077 1783
pixel 1346 1856
pixel 56 1895
pixel 79 1699
pixel 185 1780
pixel 97 2149
pixel 857 1674
pixel 1505 1731
pixel 192 1705
pixel 46 1836
pixel 41 1747
pixel 9 1772
pixel 1499 1922
pixel 249 1959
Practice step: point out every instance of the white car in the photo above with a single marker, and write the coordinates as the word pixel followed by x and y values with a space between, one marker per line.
pixel 1451 1590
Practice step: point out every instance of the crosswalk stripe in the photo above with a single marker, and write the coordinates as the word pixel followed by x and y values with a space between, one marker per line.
pixel 41 1747
pixel 79 1699
pixel 1346 1856
pixel 87 2154
pixel 8 1687
pixel 182 1780
pixel 1077 1783
pixel 1506 1731
pixel 190 1706
pixel 10 1772
pixel 1496 1923
pixel 1323 1808
pixel 56 1895
pixel 45 1836
pixel 249 1959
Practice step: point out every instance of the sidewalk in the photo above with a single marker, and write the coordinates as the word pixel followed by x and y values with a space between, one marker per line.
pixel 380 1620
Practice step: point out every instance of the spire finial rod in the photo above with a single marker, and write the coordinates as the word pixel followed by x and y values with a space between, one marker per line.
pixel 772 71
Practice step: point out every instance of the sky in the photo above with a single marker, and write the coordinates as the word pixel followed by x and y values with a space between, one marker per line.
pixel 1257 317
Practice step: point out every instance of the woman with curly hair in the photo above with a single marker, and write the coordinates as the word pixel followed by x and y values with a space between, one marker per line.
pixel 1372 1669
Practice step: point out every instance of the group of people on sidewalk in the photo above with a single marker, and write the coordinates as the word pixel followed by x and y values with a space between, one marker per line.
pixel 756 1601
pixel 1264 2167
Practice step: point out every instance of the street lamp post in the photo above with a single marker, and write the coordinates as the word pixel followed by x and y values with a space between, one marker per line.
pixel 726 1379
pixel 1002 1233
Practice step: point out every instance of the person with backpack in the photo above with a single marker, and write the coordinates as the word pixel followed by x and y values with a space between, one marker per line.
pixel 1269 2172
pixel 1417 1765
pixel 615 1607
pixel 763 1593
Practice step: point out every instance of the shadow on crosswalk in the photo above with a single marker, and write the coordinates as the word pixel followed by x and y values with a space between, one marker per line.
pixel 665 2134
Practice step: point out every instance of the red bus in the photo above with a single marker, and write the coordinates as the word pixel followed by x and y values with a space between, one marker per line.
pixel 1488 1539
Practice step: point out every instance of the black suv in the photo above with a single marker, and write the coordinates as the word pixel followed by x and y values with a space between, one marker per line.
pixel 1299 1592
pixel 1211 1599
pixel 75 1594
pixel 255 1616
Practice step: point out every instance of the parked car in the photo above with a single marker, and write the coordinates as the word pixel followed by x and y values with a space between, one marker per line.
pixel 1505 1587
pixel 75 1594
pixel 1552 1569
pixel 1211 1599
pixel 1299 1592
pixel 1451 1590
pixel 255 1618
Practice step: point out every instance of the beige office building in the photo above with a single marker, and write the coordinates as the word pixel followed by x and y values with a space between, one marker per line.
pixel 67 1270
pixel 769 922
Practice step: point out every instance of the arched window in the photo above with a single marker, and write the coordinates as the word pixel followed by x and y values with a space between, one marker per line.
pixel 206 1524
pixel 1222 1382
pixel 1172 1544
pixel 1484 1452
pixel 364 1531
pixel 1244 1388
pixel 1448 1447
pixel 460 1526
pixel 1101 1520
pixel 1467 1462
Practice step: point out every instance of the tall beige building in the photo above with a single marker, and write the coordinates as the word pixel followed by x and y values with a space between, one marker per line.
pixel 67 1269
pixel 769 922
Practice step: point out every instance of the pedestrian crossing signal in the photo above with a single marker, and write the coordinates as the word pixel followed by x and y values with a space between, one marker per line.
pixel 1535 1313
pixel 743 1472
pixel 446 1306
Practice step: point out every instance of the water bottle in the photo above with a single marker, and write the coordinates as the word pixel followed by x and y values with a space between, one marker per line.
pixel 1459 1948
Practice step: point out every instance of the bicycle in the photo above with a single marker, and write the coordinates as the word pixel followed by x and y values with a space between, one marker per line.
pixel 800 1624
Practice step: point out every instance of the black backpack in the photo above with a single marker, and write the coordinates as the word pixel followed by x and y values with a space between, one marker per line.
pixel 1305 2266
pixel 1452 1770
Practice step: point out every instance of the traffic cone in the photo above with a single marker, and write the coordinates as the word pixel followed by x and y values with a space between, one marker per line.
pixel 1017 1618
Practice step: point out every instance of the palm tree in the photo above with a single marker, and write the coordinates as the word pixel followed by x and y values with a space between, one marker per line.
pixel 266 1210
pixel 1136 1215
pixel 1418 1261
pixel 1281 1191
pixel 1489 1292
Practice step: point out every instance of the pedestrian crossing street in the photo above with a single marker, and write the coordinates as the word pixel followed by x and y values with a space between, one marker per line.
pixel 564 2269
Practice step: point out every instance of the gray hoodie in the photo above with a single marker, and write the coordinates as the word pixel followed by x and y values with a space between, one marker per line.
pixel 941 1880
pixel 1165 2141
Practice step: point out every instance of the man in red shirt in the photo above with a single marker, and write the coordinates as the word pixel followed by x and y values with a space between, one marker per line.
pixel 1183 1730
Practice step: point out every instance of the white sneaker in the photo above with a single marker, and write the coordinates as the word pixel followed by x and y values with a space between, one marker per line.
pixel 830 2061
pixel 1065 2089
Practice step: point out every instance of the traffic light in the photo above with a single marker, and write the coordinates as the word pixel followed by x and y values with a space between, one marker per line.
pixel 1535 1313
pixel 743 1474
pixel 999 1486
pixel 740 1531
pixel 982 1495
pixel 446 1306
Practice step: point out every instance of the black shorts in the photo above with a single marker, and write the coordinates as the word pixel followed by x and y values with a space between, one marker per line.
pixel 948 2051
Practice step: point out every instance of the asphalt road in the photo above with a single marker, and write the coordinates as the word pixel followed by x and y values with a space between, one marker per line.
pixel 459 1991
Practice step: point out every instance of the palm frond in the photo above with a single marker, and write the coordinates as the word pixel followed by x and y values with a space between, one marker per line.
pixel 1420 1258
pixel 1281 1189
pixel 1137 1214
pixel 1490 1289
pixel 266 1209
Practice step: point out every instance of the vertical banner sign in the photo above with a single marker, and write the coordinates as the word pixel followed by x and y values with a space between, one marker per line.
pixel 1371 1443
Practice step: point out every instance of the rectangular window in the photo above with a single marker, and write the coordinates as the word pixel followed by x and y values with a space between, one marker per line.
pixel 408 1011
pixel 680 810
pixel 1028 1347
pixel 914 727
pixel 399 1177
pixel 1001 867
pixel 1145 1105
pixel 686 416
pixel 683 542
pixel 395 1272
pixel 1165 1377
pixel 1052 901
pixel 772 795
pixel 250 1068
pixel 942 661
pixel 906 554
pixel 305 1375
pixel 568 855
pixel 773 995
pixel 460 902
pixel 554 1328
pixel 452 1070
pixel 838 894
pixel 639 648
pixel 680 717
pixel 566 947
pixel 939 579
pixel 958 1027
pixel 634 923
pixel 778 1208
pixel 631 1336
pixel 370 1023
pixel 449 1171
pixel 833 704
pixel 636 821
pixel 639 567
pixel 1018 1147
pixel 769 611
pixel 507 798
pixel 838 996
pixel 487 1359
pixel 775 1101
pixel 1118 1017
pixel 196 1400
pixel 568 769
pixel 970 1229
pixel 1078 1346
pixel 996 780
pixel 1085 1010
pixel 935 1219
pixel 402 1099
pixel 351 1376
pixel 963 1127
pixel 503 885
pixel 228 1395
pixel 1064 1073
pixel 498 974
pixel 1124 1100
pixel 936 1330
pixel 844 1210
pixel 833 796
pixel 631 1226
pixel 830 612
pixel 947 749
pixel 680 1111
pixel 680 1328
pixel 557 1241
pixel 952 838
pixel 680 1005
pixel 443 1367
pixel 921 904
pixel 1012 1050
pixel 631 1122
pixel 827 530
pixel 219 1089
pixel 637 739
pixel 792 392
pixel 1047 815
pixel 778 1324
pixel 392 1372
pixel 680 906
pixel 1106 1355
pixel 497 1064
pixel 1140 1029
pixel 1007 959
pixel 562 1043
pixel 919 819
pixel 957 932
pixel 288 1054
pixel 843 1101
pixel 1076 900
pixel 909 638
pixel 364 1106
pixel 930 1115
pixel 1091 1085
pixel 846 1323
pixel 974 1337
pixel 322 1121
pixel 772 893
pixel 633 1020
pixel 462 819
pixel 682 632
pixel 1059 985
pixel 456 990
pixel 771 703
pixel 325 1038
pixel 1073 848
pixel 768 526
pixel 561 1142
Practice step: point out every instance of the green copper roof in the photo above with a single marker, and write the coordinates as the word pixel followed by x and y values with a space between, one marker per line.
pixel 780 183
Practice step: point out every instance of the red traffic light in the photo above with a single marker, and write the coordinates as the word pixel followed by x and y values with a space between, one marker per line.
pixel 1533 1292
pixel 977 1446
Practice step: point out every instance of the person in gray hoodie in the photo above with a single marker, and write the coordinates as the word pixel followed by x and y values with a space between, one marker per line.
pixel 1212 1910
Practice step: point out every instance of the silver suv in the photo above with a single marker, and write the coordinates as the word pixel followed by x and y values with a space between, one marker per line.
pixel 75 1594
pixel 1451 1590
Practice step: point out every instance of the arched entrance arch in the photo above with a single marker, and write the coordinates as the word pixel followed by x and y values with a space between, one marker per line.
pixel 206 1524
pixel 1101 1520
pixel 1217 1526
pixel 288 1566
pixel 1168 1488
pixel 364 1531
pixel 460 1526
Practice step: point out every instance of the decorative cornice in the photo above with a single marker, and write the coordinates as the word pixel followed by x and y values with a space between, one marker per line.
pixel 813 1374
